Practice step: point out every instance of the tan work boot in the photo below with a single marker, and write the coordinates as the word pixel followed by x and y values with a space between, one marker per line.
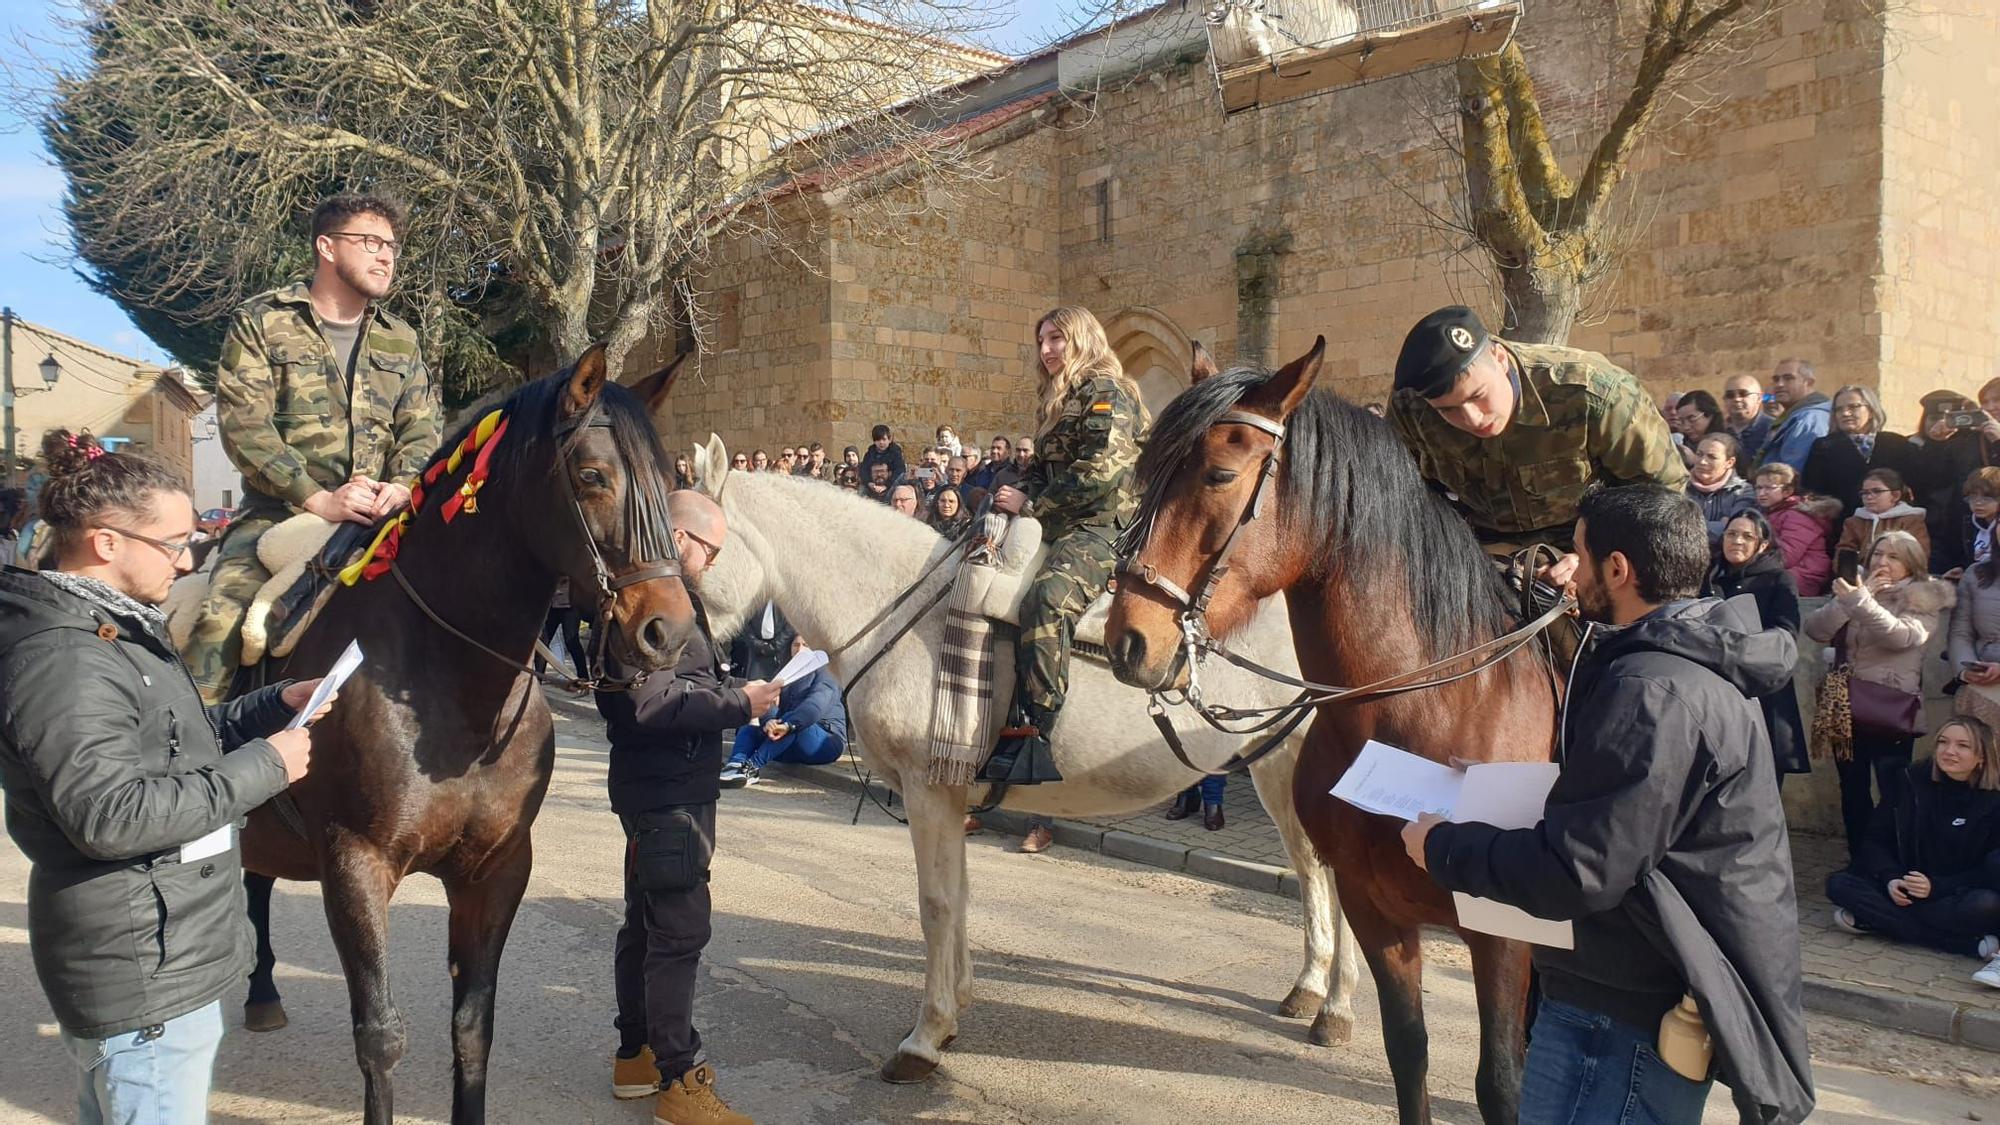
pixel 691 1100
pixel 636 1077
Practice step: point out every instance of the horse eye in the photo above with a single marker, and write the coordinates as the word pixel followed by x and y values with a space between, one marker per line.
pixel 1219 476
pixel 592 478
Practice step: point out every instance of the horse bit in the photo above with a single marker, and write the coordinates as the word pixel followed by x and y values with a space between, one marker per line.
pixel 1197 640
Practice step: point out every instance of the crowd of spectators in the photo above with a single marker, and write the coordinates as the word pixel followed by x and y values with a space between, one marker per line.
pixel 1811 496
pixel 943 483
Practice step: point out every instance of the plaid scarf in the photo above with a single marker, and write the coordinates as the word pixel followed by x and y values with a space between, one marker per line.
pixel 962 706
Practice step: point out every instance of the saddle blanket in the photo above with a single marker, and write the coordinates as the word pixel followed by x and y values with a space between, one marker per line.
pixel 300 553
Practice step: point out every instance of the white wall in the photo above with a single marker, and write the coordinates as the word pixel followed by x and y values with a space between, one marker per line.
pixel 216 482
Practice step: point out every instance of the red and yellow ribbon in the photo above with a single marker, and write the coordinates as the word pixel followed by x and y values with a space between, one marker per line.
pixel 481 442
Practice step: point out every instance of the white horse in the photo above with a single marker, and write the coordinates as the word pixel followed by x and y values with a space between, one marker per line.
pixel 832 561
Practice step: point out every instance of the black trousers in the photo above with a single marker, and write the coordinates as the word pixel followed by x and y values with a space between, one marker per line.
pixel 1880 760
pixel 658 952
pixel 568 623
pixel 1952 923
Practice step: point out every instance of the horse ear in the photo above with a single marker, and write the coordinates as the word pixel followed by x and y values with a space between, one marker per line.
pixel 652 390
pixel 586 381
pixel 1284 390
pixel 716 474
pixel 1204 364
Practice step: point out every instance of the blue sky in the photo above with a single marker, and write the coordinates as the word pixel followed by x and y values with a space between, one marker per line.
pixel 38 285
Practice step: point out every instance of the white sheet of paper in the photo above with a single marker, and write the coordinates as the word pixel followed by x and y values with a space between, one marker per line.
pixel 1398 783
pixel 215 843
pixel 800 666
pixel 350 659
pixel 1507 795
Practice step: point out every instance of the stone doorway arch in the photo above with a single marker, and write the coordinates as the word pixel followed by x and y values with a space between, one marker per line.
pixel 1154 351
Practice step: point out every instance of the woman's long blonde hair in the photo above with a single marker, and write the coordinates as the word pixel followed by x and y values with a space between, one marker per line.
pixel 1087 356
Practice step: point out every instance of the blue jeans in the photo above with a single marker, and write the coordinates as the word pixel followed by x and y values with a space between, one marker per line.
pixel 1210 788
pixel 811 746
pixel 154 1076
pixel 1588 1069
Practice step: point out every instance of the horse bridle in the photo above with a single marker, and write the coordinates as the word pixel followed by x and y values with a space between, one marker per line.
pixel 1197 640
pixel 608 584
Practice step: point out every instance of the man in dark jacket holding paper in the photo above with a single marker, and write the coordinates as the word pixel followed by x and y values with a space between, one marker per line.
pixel 124 793
pixel 666 753
pixel 1663 840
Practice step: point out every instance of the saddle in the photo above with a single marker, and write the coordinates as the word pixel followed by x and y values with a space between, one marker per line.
pixel 997 592
pixel 302 554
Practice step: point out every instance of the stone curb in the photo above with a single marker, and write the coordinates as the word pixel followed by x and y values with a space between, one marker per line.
pixel 1937 1019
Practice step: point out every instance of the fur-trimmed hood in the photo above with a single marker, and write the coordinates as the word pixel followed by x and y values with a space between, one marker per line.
pixel 1825 509
pixel 1922 594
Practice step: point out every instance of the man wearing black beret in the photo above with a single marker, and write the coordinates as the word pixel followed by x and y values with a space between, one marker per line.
pixel 1515 434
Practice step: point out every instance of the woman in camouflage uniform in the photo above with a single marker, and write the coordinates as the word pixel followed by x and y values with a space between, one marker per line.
pixel 1081 488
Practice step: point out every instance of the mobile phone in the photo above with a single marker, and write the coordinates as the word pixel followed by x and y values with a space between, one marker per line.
pixel 1768 398
pixel 1848 568
pixel 1969 665
pixel 1965 419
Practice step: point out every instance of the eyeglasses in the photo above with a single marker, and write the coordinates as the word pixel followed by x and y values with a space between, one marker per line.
pixel 173 549
pixel 1877 492
pixel 371 243
pixel 711 550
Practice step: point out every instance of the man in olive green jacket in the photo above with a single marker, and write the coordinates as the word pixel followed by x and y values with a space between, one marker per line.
pixel 324 405
pixel 1515 434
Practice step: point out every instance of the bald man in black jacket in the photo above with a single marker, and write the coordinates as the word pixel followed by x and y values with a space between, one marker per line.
pixel 666 754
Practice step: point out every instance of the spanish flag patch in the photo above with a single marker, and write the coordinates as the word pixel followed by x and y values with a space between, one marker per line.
pixel 1101 406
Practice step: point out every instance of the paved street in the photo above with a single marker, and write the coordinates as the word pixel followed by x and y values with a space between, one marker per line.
pixel 1108 993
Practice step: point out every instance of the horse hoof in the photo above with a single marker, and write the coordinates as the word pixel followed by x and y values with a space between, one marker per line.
pixel 266 1016
pixel 904 1068
pixel 1301 1004
pixel 1330 1032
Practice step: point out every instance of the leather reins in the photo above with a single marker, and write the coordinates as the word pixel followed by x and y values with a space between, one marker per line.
pixel 1197 641
pixel 647 532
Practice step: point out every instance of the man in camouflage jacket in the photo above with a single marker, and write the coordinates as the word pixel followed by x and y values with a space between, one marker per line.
pixel 1515 434
pixel 325 406
pixel 1082 489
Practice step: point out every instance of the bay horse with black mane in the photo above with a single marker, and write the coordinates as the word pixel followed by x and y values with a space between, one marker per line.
pixel 438 754
pixel 1382 579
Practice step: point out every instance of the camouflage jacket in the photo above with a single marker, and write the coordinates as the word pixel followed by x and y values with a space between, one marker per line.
pixel 1084 474
pixel 1581 420
pixel 291 423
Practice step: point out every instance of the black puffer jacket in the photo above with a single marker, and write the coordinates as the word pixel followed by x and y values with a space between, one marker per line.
pixel 110 765
pixel 1664 840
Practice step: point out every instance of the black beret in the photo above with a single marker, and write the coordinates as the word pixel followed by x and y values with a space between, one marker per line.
pixel 1437 349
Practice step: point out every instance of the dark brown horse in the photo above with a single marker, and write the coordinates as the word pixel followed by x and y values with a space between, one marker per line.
pixel 438 754
pixel 1382 578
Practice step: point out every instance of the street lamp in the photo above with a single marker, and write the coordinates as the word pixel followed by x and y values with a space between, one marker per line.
pixel 51 370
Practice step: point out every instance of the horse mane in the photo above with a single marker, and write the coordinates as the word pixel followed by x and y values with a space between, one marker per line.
pixel 1352 491
pixel 533 410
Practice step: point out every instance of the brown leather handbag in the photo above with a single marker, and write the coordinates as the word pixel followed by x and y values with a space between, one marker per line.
pixel 1870 708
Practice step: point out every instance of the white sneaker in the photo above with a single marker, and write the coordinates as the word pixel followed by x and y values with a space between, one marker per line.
pixel 750 774
pixel 1990 975
pixel 1989 946
pixel 1844 918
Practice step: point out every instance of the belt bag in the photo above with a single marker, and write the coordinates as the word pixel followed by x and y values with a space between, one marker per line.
pixel 670 852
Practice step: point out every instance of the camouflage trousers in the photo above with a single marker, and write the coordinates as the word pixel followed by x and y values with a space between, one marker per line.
pixel 215 648
pixel 1078 568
